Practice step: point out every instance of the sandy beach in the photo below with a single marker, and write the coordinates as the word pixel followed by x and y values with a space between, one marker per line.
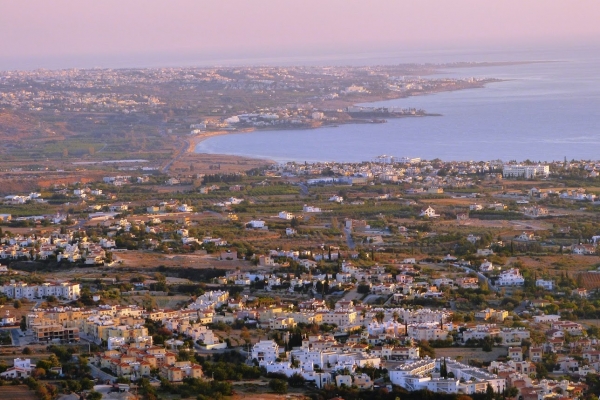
pixel 194 140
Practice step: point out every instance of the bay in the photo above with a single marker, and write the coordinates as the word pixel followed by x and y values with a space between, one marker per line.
pixel 541 111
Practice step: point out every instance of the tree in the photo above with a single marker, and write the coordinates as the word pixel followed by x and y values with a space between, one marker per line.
pixel 512 392
pixel 278 386
pixel 489 392
pixel 37 373
pixel 17 304
pixel 296 380
pixel 87 384
pixel 444 369
pixel 363 289
pixel 27 351
pixel 23 324
pixel 93 395
pixel 487 346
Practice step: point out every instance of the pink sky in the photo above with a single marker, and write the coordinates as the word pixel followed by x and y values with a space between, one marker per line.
pixel 260 27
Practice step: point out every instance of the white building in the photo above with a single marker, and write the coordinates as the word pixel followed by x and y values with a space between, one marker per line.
pixel 311 209
pixel 416 375
pixel 525 171
pixel 21 369
pixel 20 290
pixel 486 266
pixel 545 284
pixel 512 277
pixel 257 224
pixel 428 212
pixel 265 351
pixel 285 215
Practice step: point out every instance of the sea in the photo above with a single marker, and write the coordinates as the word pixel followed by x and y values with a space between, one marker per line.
pixel 541 111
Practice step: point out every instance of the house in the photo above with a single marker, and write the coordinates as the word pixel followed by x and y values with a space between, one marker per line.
pixel 535 211
pixel 587 249
pixel 545 284
pixel 343 380
pixel 363 381
pixel 515 353
pixel 185 208
pixel 229 255
pixel 486 266
pixel 580 292
pixel 467 282
pixel 285 215
pixel 118 207
pixel 310 209
pixel 490 313
pixel 265 261
pixel 462 216
pixel 265 351
pixel 21 369
pixel 512 277
pixel 536 353
pixel 428 212
pixel 484 252
pixel 181 370
pixel 257 224
pixel 525 237
pixel 473 238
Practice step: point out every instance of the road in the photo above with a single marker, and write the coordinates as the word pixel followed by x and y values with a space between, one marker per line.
pixel 349 240
pixel 184 149
pixel 303 189
pixel 520 308
pixel 479 275
pixel 352 294
pixel 99 374
pixel 16 336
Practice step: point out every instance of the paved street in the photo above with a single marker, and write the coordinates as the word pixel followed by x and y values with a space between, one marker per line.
pixel 99 374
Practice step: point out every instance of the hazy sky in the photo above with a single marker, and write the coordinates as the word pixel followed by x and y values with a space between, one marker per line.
pixel 136 31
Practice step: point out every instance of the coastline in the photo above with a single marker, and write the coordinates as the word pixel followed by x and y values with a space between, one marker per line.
pixel 194 141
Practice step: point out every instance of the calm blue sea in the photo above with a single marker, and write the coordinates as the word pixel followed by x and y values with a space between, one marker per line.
pixel 543 111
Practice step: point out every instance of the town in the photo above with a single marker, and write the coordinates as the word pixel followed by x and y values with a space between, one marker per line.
pixel 391 277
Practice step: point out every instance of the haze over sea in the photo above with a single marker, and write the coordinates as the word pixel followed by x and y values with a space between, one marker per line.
pixel 542 112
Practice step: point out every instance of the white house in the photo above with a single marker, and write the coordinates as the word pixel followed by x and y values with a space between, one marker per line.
pixel 265 351
pixel 285 215
pixel 21 369
pixel 486 266
pixel 311 209
pixel 185 208
pixel 588 249
pixel 525 237
pixel 257 224
pixel 545 284
pixel 512 277
pixel 472 238
pixel 428 212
